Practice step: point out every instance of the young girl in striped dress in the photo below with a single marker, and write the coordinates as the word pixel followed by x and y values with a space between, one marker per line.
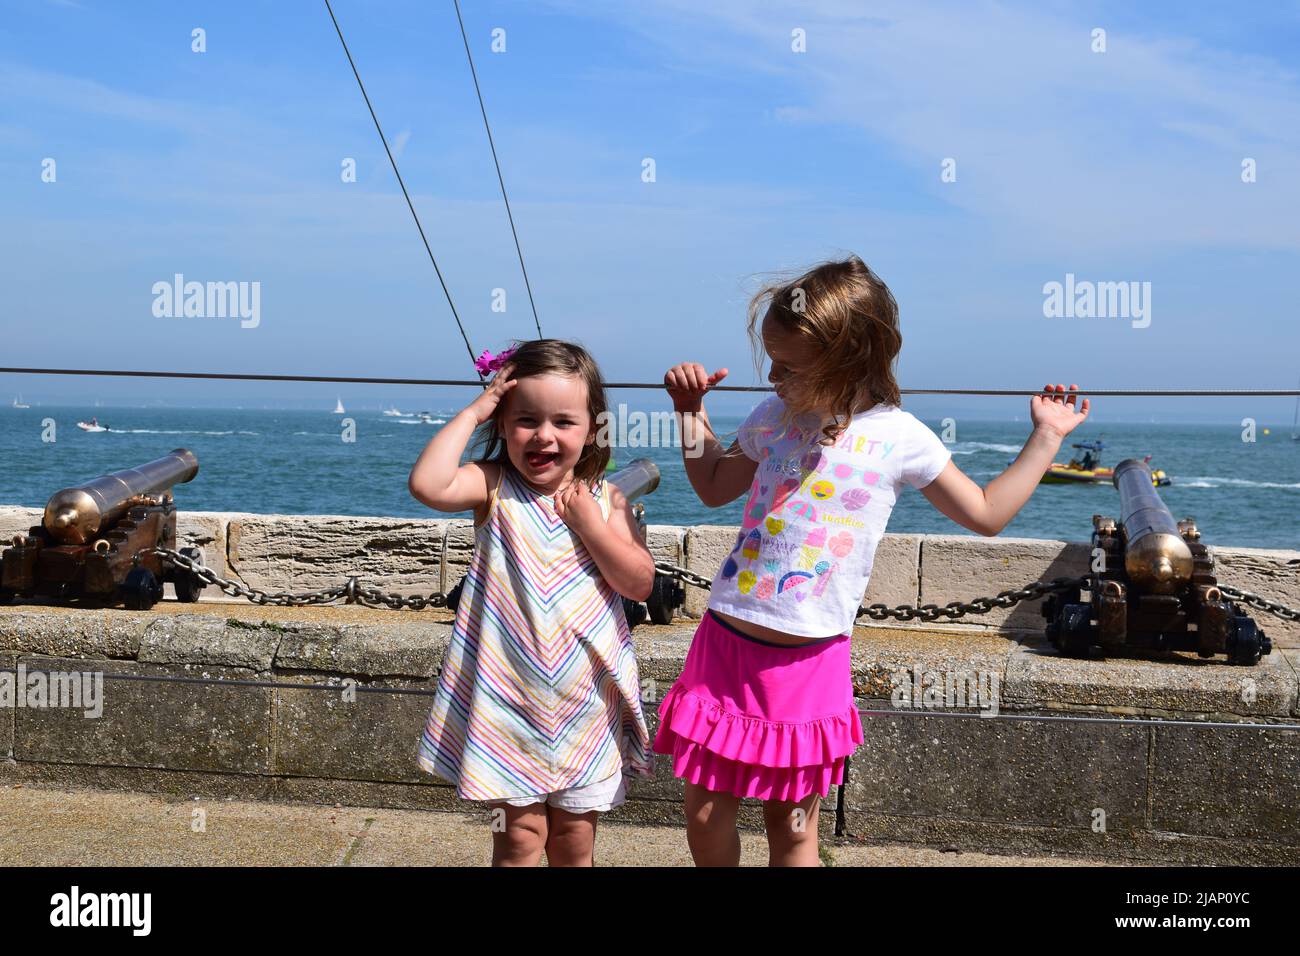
pixel 538 707
pixel 764 706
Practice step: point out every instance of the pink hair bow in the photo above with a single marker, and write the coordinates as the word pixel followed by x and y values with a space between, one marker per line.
pixel 487 362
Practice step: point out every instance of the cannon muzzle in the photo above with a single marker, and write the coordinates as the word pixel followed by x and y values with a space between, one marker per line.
pixel 1155 554
pixel 637 478
pixel 76 515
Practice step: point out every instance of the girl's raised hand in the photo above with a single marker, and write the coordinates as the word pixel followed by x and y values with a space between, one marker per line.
pixel 687 383
pixel 486 404
pixel 576 507
pixel 1055 410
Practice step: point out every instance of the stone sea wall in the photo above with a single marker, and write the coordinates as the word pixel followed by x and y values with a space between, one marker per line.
pixel 220 699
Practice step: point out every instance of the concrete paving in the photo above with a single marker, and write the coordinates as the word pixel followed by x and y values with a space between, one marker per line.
pixel 42 826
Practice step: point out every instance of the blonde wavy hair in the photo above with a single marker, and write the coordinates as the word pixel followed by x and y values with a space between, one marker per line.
pixel 849 318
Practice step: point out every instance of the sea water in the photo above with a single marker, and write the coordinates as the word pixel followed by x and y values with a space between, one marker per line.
pixel 1244 494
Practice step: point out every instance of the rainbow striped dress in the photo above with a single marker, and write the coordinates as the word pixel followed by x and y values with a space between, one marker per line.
pixel 539 688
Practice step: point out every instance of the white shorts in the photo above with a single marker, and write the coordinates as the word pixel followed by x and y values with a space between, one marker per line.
pixel 603 795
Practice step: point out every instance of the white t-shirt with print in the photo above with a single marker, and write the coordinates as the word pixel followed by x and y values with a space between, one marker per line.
pixel 814 515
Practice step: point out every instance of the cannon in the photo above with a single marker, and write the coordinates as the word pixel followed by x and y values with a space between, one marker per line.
pixel 636 479
pixel 95 543
pixel 1152 587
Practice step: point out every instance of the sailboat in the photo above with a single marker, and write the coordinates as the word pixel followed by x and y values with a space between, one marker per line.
pixel 18 402
pixel 338 408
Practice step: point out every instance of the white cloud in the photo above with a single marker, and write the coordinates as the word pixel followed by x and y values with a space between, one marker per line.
pixel 399 143
pixel 1061 149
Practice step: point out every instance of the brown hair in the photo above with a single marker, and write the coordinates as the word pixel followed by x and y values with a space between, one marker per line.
pixel 552 357
pixel 849 317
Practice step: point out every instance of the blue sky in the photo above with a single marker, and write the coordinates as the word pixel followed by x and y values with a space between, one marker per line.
pixel 224 166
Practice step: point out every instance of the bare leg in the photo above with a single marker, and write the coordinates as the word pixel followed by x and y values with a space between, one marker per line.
pixel 518 834
pixel 711 826
pixel 572 838
pixel 792 831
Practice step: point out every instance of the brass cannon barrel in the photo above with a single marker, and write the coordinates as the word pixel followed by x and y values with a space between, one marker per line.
pixel 637 478
pixel 1155 554
pixel 76 515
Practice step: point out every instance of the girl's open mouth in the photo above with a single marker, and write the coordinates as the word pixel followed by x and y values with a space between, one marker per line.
pixel 540 460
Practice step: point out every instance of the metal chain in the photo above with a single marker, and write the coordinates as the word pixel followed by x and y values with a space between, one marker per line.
pixel 690 577
pixel 352 591
pixel 924 612
pixel 980 605
pixel 1260 603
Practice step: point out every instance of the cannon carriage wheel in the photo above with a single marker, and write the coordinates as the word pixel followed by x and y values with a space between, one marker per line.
pixel 665 597
pixel 141 590
pixel 188 584
pixel 634 611
pixel 1246 642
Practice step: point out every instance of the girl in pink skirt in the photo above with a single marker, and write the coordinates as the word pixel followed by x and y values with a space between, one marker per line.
pixel 764 705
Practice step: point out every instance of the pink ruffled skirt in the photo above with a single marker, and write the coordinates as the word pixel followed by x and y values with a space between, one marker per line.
pixel 757 719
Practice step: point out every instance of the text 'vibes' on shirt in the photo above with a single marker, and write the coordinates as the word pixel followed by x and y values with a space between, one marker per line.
pixel 815 515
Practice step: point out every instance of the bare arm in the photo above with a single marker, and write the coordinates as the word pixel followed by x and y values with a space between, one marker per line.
pixel 614 544
pixel 988 510
pixel 438 479
pixel 718 475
